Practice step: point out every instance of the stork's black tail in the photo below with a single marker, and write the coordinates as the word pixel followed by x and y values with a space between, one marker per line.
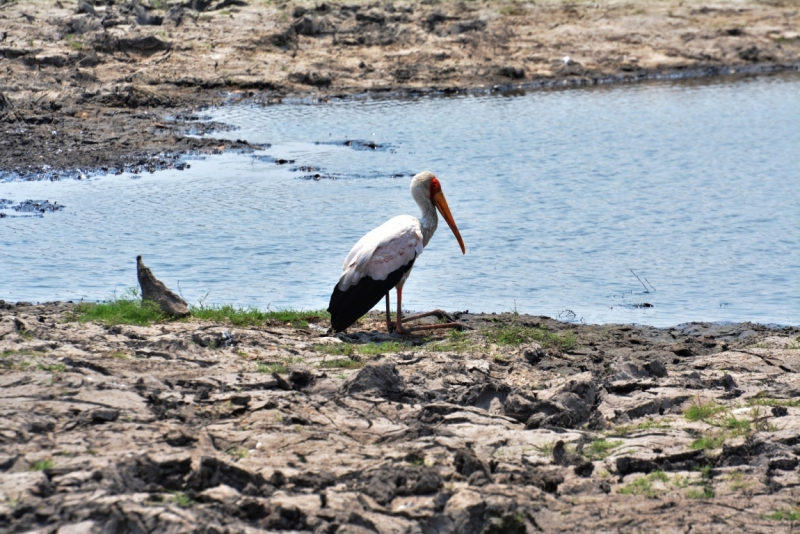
pixel 347 306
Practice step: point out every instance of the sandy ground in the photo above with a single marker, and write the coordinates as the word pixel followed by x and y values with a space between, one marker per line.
pixel 203 427
pixel 107 86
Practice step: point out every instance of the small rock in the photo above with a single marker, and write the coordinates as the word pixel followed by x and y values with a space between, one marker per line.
pixel 221 493
pixel 178 438
pixel 380 377
pixel 300 376
pixel 783 464
pixel 84 527
pixel 86 7
pixel 512 72
pixel 656 368
pixel 532 353
pixel 584 469
pixel 104 415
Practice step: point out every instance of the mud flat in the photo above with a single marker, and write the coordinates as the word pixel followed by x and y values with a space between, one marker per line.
pixel 106 87
pixel 523 424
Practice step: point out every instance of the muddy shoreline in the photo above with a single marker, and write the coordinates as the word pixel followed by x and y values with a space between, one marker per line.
pixel 116 87
pixel 198 426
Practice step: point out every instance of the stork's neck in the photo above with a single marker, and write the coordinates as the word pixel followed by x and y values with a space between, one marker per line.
pixel 429 219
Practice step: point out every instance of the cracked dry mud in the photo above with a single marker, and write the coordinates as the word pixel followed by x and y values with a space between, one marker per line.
pixel 205 427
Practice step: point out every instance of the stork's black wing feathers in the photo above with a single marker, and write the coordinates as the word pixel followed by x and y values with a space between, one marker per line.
pixel 347 306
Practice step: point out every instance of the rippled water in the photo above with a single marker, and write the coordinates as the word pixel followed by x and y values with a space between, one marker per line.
pixel 558 195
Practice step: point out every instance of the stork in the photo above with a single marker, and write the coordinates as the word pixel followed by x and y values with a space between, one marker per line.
pixel 382 260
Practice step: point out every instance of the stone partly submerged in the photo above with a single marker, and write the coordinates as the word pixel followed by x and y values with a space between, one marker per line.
pixel 154 290
pixel 522 425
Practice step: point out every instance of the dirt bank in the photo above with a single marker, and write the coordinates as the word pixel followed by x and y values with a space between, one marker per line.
pixel 102 85
pixel 203 427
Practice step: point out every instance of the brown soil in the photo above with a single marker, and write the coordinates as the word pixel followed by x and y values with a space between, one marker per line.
pixel 92 87
pixel 183 427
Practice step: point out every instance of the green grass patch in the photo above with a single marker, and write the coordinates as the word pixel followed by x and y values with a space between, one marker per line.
pixel 237 452
pixel 373 349
pixel 128 309
pixel 641 486
pixel 737 426
pixel 41 465
pixel 659 475
pixel 181 499
pixel 340 364
pixel 456 341
pixel 783 515
pixel 708 442
pixel 600 448
pixel 546 449
pixel 9 353
pixel 620 430
pixel 699 411
pixel 766 401
pixel 737 481
pixel 53 368
pixel 256 317
pixel 706 492
pixel 518 335
pixel 644 485
pixel 653 424
pixel 271 368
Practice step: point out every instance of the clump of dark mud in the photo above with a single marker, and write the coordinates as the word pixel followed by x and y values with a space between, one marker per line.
pixel 524 424
pixel 30 207
pixel 117 87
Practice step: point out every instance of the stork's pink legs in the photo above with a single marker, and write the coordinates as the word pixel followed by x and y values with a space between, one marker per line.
pixel 400 329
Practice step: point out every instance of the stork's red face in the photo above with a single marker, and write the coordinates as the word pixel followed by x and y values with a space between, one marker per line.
pixel 437 197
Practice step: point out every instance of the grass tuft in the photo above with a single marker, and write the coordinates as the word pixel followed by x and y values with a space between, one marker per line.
pixel 766 401
pixel 706 492
pixel 182 500
pixel 600 448
pixel 42 465
pixel 518 334
pixel 702 411
pixel 340 364
pixel 456 341
pixel 708 442
pixel 279 368
pixel 783 515
pixel 641 486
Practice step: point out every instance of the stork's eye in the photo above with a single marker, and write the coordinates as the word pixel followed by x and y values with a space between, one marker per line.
pixel 435 187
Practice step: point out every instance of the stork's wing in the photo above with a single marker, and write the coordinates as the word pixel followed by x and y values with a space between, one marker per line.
pixel 383 251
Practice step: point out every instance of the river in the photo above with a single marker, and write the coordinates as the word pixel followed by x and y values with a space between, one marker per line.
pixel 560 196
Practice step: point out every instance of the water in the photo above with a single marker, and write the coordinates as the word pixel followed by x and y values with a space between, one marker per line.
pixel 558 195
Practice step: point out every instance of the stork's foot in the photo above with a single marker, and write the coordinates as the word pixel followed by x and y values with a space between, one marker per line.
pixel 451 323
pixel 439 314
pixel 417 328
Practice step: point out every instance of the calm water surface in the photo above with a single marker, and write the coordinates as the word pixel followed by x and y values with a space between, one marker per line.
pixel 558 195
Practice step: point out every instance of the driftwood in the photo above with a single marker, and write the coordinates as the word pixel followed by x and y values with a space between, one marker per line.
pixel 154 290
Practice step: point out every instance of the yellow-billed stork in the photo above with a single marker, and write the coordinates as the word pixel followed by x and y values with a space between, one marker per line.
pixel 382 260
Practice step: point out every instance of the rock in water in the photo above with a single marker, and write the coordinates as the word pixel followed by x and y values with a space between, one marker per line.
pixel 155 290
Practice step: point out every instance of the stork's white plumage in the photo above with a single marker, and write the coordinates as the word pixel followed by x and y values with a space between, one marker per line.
pixel 383 250
pixel 382 259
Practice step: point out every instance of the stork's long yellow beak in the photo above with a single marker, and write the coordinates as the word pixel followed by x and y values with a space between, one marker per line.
pixel 444 209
